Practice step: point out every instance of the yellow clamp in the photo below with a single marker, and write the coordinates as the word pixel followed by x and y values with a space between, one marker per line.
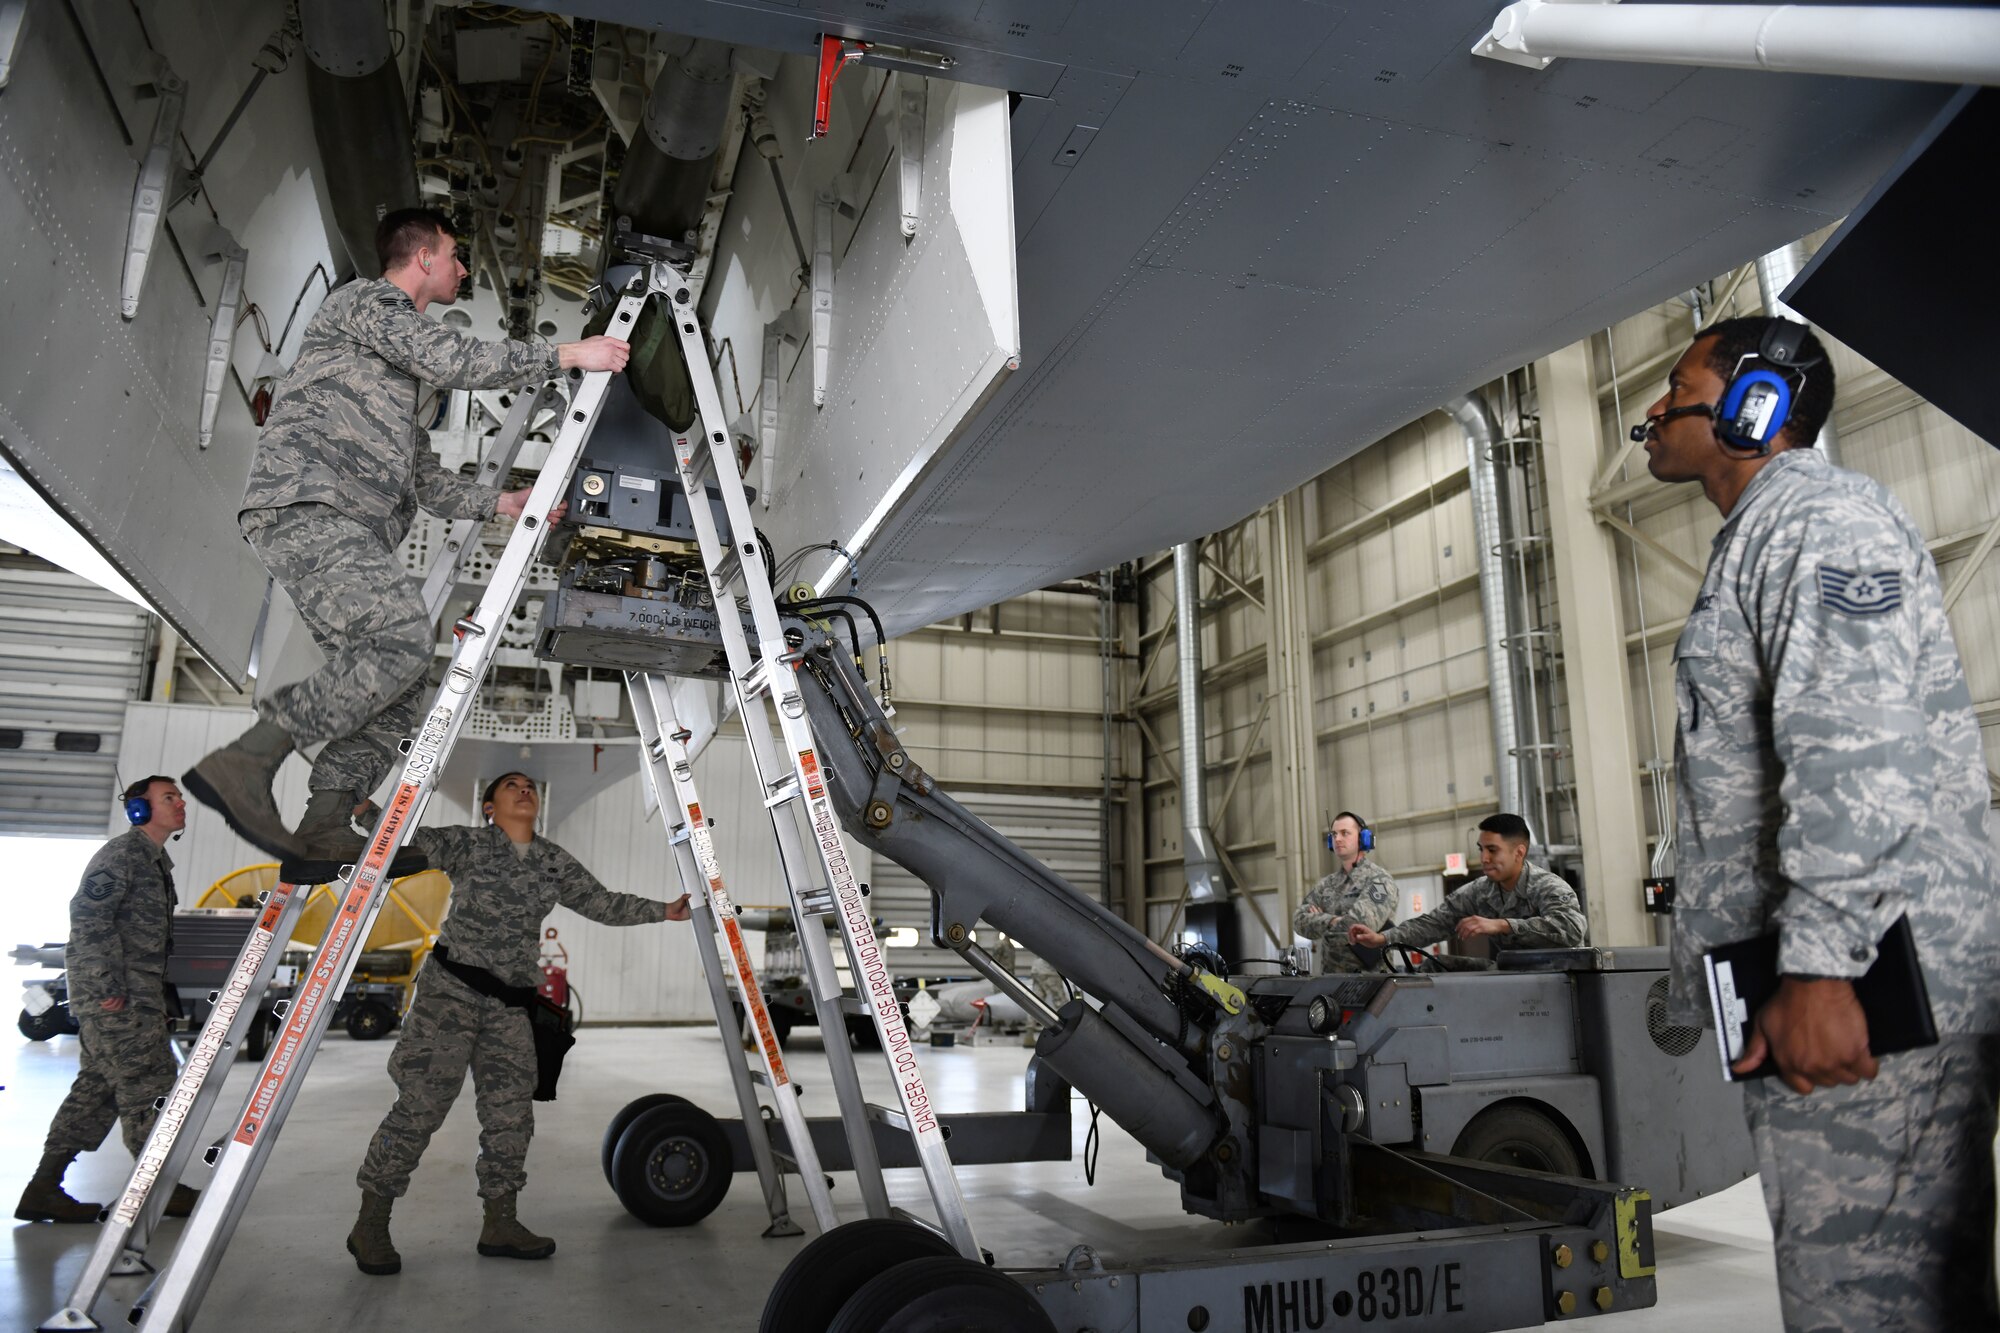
pixel 1632 1207
pixel 1228 996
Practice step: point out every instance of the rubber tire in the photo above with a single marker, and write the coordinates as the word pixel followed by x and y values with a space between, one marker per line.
pixel 44 1026
pixel 370 1020
pixel 257 1037
pixel 824 1275
pixel 688 1128
pixel 621 1122
pixel 782 1023
pixel 948 1295
pixel 1520 1135
pixel 861 1033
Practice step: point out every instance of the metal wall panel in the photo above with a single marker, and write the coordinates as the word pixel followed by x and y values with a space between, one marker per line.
pixel 71 657
pixel 99 412
pixel 924 327
pixel 171 738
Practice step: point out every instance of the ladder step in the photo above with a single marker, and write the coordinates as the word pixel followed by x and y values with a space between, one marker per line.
pixel 784 789
pixel 856 1006
pixel 816 902
pixel 757 680
pixel 888 1115
pixel 725 571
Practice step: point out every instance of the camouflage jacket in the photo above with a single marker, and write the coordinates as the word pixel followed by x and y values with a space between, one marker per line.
pixel 1828 762
pixel 1364 894
pixel 121 923
pixel 1541 905
pixel 499 899
pixel 343 428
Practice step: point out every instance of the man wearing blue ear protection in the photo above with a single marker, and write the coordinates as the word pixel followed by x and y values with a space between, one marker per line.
pixel 121 926
pixel 1358 892
pixel 1830 779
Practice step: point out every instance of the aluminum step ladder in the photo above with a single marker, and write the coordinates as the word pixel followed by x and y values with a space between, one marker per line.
pixel 169 1306
pixel 127 1231
pixel 664 758
pixel 818 871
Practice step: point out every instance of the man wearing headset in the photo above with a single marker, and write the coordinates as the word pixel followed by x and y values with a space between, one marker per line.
pixel 121 925
pixel 504 881
pixel 1358 892
pixel 1830 780
pixel 341 468
pixel 1519 906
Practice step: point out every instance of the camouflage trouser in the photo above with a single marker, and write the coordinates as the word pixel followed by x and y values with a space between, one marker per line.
pixel 449 1028
pixel 1881 1195
pixel 126 1067
pixel 367 615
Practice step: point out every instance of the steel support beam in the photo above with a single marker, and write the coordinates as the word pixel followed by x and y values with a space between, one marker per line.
pixel 1596 674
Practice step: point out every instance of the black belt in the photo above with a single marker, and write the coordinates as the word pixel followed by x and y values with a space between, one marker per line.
pixel 483 981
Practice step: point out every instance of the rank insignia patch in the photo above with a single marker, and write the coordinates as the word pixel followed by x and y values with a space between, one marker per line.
pixel 1868 593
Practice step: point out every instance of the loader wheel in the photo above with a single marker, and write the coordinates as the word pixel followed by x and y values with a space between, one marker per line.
pixel 824 1276
pixel 1520 1135
pixel 621 1122
pixel 945 1295
pixel 370 1021
pixel 43 1026
pixel 672 1166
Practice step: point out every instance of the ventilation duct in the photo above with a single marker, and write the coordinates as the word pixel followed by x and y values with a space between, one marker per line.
pixel 1482 434
pixel 1207 889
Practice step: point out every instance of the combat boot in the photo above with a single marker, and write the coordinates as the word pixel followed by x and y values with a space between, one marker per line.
pixel 503 1236
pixel 236 780
pixel 182 1201
pixel 327 832
pixel 44 1200
pixel 369 1242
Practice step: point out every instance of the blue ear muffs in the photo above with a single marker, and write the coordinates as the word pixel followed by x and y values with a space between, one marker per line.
pixel 1754 408
pixel 1367 838
pixel 138 810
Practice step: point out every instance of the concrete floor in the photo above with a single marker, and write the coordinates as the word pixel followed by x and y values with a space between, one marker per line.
pixel 288 1269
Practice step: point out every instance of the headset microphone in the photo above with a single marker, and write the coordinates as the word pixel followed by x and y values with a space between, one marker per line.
pixel 1645 428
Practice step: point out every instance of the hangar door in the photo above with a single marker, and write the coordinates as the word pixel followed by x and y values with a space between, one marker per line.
pixel 71 657
pixel 1062 832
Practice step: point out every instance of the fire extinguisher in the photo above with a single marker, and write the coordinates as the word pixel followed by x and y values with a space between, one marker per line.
pixel 555 970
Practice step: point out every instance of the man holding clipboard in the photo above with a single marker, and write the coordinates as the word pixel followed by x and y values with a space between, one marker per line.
pixel 1831 783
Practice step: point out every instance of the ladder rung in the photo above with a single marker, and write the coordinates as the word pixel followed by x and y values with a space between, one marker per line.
pixel 757 680
pixel 725 570
pixel 816 902
pixel 783 790
pixel 855 1005
pixel 888 1115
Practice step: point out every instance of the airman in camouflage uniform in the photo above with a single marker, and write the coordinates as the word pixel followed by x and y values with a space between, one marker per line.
pixel 1521 906
pixel 505 882
pixel 1831 779
pixel 121 925
pixel 1359 892
pixel 340 471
